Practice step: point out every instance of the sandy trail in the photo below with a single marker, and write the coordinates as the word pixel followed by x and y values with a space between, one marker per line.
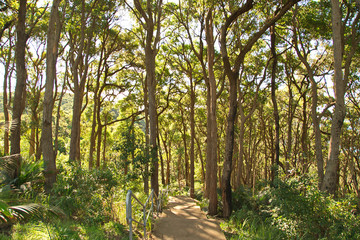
pixel 183 219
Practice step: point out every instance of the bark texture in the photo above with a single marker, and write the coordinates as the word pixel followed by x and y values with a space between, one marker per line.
pixel 211 147
pixel 331 177
pixel 20 89
pixel 51 59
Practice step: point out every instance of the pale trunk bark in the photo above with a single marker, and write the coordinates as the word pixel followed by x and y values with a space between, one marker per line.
pixel 316 126
pixel 331 177
pixel 57 125
pixel 96 112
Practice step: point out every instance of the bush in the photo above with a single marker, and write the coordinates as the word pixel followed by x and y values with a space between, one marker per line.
pixel 85 194
pixel 293 209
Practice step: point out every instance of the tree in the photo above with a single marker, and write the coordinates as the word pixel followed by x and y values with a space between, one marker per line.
pixel 20 89
pixel 303 48
pixel 331 177
pixel 232 73
pixel 80 53
pixel 150 19
pixel 7 84
pixel 53 37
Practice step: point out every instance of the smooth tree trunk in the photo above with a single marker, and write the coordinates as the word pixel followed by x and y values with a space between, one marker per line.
pixel 53 37
pixel 192 138
pixel 58 117
pixel 20 89
pixel 95 112
pixel 6 101
pixel 331 177
pixel 211 147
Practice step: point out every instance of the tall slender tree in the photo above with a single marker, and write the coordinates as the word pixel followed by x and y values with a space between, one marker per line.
pixel 53 38
pixel 331 177
pixel 20 89
pixel 232 73
pixel 150 16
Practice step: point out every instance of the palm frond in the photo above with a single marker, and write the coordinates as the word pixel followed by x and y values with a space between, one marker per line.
pixel 15 213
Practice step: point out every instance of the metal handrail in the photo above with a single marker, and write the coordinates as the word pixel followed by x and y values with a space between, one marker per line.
pixel 129 218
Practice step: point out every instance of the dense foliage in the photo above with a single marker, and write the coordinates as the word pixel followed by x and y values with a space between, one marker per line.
pixel 250 106
pixel 292 209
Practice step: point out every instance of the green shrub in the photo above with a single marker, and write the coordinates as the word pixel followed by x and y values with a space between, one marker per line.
pixel 82 194
pixel 292 209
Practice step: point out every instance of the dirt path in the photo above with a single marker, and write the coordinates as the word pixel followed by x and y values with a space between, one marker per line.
pixel 184 220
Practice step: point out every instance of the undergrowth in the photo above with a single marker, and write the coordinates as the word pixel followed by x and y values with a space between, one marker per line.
pixel 83 204
pixel 292 209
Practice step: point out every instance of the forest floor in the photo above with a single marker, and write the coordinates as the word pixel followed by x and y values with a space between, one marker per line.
pixel 183 219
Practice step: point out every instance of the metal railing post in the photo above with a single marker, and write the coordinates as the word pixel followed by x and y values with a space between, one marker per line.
pixel 153 208
pixel 129 213
pixel 144 211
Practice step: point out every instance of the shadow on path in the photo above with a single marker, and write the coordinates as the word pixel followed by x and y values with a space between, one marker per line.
pixel 184 220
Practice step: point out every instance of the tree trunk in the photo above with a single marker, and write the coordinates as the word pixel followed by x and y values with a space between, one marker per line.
pixel 50 171
pixel 184 127
pixel 211 148
pixel 331 177
pixel 95 113
pixel 98 145
pixel 75 126
pixel 229 147
pixel 20 89
pixel 147 139
pixel 57 124
pixel 201 160
pixel 192 139
pixel 104 144
pixel 79 69
pixel 161 163
pixel 6 100
pixel 152 17
pixel 150 76
pixel 273 99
